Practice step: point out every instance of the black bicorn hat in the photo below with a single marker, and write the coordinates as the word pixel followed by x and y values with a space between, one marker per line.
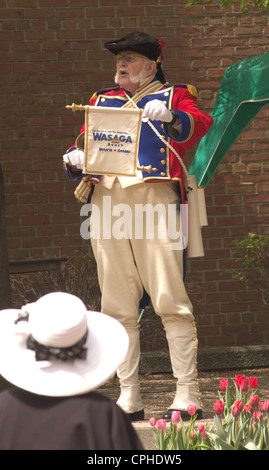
pixel 142 43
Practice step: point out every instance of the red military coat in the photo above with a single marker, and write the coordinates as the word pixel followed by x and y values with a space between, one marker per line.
pixel 152 150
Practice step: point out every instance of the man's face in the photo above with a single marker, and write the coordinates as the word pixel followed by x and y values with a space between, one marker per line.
pixel 132 70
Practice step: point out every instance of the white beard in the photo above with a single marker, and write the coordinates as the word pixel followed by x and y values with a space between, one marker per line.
pixel 141 78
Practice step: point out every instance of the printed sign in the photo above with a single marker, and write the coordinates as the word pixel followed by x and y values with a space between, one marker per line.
pixel 111 140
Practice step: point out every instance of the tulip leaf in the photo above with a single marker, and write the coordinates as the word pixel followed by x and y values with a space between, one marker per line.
pixel 219 427
pixel 220 442
pixel 248 444
pixel 240 436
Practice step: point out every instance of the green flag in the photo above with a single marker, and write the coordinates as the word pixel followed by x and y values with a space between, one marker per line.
pixel 244 90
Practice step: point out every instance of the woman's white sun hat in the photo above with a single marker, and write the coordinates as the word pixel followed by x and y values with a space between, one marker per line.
pixel 61 349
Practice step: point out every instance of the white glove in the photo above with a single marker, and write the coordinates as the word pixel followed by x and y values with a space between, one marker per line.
pixel 157 111
pixel 75 158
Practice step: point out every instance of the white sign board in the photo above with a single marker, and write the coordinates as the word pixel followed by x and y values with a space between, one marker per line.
pixel 111 140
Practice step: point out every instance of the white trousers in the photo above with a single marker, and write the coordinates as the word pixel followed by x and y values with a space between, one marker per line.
pixel 126 264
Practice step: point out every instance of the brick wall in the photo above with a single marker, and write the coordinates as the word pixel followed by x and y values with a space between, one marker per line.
pixel 52 55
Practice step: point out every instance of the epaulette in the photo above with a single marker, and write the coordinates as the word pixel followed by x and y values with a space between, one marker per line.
pixel 177 85
pixel 191 89
pixel 106 90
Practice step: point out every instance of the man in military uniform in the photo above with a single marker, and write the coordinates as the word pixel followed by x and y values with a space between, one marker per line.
pixel 130 266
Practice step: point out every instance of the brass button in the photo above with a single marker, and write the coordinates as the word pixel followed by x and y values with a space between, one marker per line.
pixel 162 173
pixel 166 93
pixel 163 162
pixel 103 100
pixel 162 150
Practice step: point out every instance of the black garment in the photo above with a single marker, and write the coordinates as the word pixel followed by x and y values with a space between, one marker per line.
pixel 83 422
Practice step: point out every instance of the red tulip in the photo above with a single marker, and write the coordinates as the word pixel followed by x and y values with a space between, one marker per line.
pixel 218 407
pixel 253 382
pixel 224 384
pixel 248 408
pixel 257 416
pixel 238 379
pixel 239 404
pixel 243 385
pixel 254 400
pixel 236 411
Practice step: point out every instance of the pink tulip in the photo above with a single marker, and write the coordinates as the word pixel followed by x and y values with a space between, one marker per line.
pixel 175 416
pixel 202 431
pixel 204 434
pixel 201 427
pixel 191 410
pixel 264 406
pixel 161 424
pixel 152 422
